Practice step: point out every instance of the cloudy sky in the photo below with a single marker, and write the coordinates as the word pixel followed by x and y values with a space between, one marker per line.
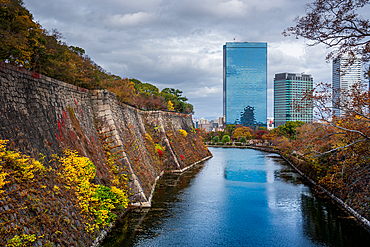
pixel 178 43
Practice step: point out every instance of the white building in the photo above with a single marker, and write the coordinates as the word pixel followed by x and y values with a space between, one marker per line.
pixel 345 74
pixel 213 125
pixel 270 123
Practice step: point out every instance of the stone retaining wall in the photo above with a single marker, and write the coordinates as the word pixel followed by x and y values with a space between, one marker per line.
pixel 40 115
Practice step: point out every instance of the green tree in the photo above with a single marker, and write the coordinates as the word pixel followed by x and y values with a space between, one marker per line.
pixel 289 129
pixel 180 102
pixel 226 138
pixel 243 139
pixel 230 129
pixel 135 81
pixel 216 139
pixel 147 89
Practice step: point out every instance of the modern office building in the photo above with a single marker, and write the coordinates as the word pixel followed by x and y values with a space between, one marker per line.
pixel 289 89
pixel 245 83
pixel 345 74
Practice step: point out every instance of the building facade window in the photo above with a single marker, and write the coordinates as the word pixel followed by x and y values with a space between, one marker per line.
pixel 245 83
pixel 345 74
pixel 289 89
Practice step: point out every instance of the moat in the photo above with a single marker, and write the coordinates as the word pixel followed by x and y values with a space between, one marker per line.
pixel 240 197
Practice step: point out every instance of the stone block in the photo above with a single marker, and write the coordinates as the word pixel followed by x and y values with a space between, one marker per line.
pixel 111 122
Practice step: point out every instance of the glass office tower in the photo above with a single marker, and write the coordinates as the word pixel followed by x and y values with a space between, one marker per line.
pixel 289 87
pixel 245 83
pixel 345 75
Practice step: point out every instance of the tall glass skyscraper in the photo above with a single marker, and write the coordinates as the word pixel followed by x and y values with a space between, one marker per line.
pixel 345 75
pixel 245 83
pixel 287 88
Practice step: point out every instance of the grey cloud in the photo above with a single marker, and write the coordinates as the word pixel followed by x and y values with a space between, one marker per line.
pixel 179 43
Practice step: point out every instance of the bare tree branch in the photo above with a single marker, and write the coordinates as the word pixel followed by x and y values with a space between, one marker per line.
pixel 342 147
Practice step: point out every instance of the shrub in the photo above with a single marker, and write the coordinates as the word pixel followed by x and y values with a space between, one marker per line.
pixel 160 149
pixel 75 173
pixel 98 200
pixel 183 133
pixel 23 240
pixel 23 166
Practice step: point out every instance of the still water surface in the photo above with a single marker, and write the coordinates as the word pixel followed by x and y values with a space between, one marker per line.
pixel 240 197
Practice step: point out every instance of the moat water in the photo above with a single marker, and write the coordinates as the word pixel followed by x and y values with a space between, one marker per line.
pixel 240 197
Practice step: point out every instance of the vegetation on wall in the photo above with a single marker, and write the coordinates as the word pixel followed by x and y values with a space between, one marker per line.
pixel 35 192
pixel 96 200
pixel 189 147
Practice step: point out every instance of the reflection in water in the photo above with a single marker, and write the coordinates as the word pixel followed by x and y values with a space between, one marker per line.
pixel 255 176
pixel 240 197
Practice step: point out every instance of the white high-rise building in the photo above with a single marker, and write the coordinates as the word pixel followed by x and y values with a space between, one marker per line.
pixel 345 75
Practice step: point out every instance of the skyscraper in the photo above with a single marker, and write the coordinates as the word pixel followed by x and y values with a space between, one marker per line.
pixel 287 88
pixel 345 75
pixel 245 83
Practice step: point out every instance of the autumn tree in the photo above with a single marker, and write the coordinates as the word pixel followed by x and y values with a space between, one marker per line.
pixel 242 131
pixel 20 36
pixel 259 134
pixel 170 106
pixel 337 149
pixel 336 24
pixel 123 88
pixel 353 125
pixel 203 134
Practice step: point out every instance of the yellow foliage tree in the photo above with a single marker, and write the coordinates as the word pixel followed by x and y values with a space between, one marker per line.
pixel 170 106
pixel 20 36
pixel 242 131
